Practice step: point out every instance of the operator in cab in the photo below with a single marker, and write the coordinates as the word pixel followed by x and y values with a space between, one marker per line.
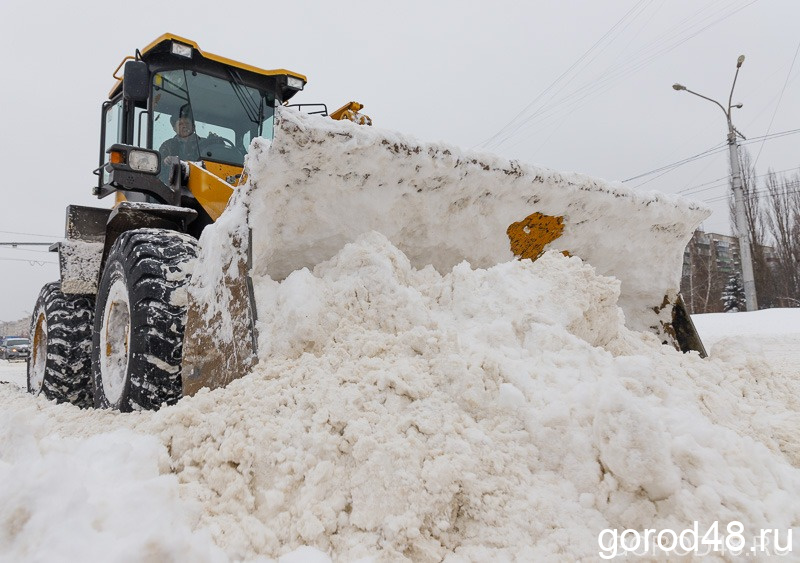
pixel 185 144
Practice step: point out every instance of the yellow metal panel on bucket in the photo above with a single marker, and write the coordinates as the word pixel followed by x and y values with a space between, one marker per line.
pixel 529 236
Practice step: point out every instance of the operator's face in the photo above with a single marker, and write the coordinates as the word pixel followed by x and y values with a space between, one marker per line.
pixel 184 127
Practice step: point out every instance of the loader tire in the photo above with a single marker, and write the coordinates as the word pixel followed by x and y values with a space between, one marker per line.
pixel 59 365
pixel 140 317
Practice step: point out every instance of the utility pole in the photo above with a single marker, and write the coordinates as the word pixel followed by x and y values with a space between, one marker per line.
pixel 745 253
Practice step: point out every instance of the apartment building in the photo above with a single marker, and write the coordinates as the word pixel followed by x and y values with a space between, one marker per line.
pixel 710 260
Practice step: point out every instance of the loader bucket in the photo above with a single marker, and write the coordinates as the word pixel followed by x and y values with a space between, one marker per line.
pixel 320 184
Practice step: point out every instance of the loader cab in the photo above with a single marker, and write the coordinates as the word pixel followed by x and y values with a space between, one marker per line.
pixel 229 105
pixel 225 118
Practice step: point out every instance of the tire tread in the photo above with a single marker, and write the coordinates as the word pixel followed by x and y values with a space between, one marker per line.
pixel 150 259
pixel 67 372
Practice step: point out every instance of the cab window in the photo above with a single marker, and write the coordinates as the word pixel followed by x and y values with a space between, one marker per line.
pixel 201 117
pixel 113 131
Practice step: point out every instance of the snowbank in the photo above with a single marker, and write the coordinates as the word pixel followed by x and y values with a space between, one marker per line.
pixel 766 324
pixel 480 414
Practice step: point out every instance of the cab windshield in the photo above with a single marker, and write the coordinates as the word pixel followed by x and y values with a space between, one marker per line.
pixel 200 117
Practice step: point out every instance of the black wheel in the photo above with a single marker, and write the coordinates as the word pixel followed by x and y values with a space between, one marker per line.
pixel 59 364
pixel 140 316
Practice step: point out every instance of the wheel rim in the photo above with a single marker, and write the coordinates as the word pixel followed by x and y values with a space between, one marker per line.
pixel 114 342
pixel 38 354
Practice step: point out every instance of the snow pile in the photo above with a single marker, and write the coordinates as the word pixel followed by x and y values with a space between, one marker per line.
pixel 483 414
pixel 490 414
pixel 99 498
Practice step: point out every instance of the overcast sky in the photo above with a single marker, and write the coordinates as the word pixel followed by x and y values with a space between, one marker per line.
pixel 574 85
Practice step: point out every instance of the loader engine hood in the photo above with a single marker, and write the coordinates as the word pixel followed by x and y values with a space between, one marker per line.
pixel 321 183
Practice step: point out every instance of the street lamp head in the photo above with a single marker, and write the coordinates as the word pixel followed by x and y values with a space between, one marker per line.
pixel 738 106
pixel 678 87
pixel 739 61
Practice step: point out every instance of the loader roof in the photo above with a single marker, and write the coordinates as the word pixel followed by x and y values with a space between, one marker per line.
pixel 163 44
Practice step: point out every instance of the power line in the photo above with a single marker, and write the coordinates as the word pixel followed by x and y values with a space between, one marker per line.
pixel 31 262
pixel 753 195
pixel 717 183
pixel 556 81
pixel 17 244
pixel 785 82
pixel 624 69
pixel 713 150
pixel 517 123
pixel 663 44
pixel 586 87
pixel 37 251
pixel 769 136
pixel 31 234
pixel 709 152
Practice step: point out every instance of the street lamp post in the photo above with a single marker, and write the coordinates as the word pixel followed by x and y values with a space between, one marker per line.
pixel 738 193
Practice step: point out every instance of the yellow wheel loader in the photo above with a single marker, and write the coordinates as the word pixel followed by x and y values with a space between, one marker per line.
pixel 193 143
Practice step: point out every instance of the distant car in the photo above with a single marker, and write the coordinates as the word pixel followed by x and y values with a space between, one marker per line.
pixel 3 342
pixel 15 348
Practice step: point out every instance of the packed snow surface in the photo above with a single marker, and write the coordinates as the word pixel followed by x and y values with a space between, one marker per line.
pixel 401 414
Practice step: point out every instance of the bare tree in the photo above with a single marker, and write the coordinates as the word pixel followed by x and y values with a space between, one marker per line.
pixel 15 328
pixel 702 284
pixel 781 216
pixel 752 201
pixel 755 217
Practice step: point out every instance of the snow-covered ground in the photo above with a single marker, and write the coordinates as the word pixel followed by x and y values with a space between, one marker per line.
pixel 773 334
pixel 13 372
pixel 405 413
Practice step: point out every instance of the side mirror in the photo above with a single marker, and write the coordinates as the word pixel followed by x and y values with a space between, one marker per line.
pixel 136 81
